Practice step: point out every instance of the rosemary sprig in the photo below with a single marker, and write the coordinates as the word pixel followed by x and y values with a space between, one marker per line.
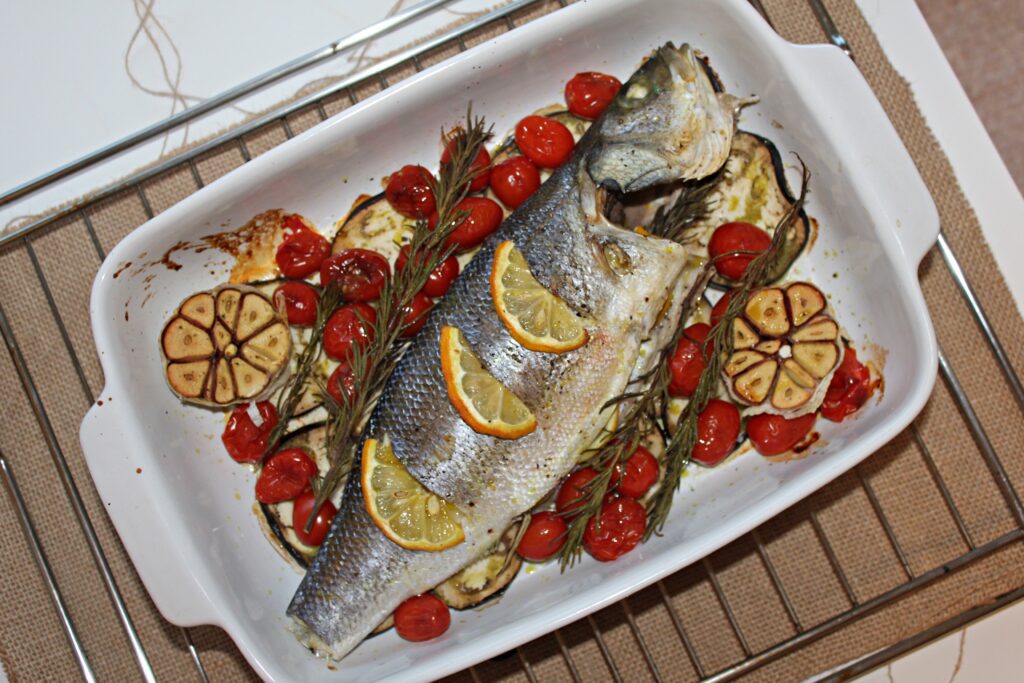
pixel 288 399
pixel 691 206
pixel 373 364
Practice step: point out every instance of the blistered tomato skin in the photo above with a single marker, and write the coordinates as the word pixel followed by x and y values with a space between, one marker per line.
pixel 718 427
pixel 321 523
pixel 439 280
pixel 589 93
pixel 422 617
pixel 514 180
pixel 284 476
pixel 639 474
pixel 718 311
pixel 408 191
pixel 622 524
pixel 483 217
pixel 352 323
pixel 774 434
pixel 732 237
pixel 244 441
pixel 547 142
pixel 300 302
pixel 573 489
pixel 302 251
pixel 341 384
pixel 543 538
pixel 848 390
pixel 360 273
pixel 416 314
pixel 687 362
pixel 481 164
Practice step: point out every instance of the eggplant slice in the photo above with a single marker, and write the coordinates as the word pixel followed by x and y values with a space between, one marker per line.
pixel 485 579
pixel 226 346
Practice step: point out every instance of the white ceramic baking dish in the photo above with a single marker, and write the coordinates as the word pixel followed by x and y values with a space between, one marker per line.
pixel 186 518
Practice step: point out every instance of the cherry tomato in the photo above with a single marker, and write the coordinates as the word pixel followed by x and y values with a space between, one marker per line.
pixel 543 538
pixel 352 323
pixel 848 390
pixel 638 474
pixel 341 384
pixel 573 488
pixel 302 251
pixel 439 280
pixel 481 163
pixel 718 311
pixel 622 525
pixel 687 361
pixel 718 426
pixel 360 273
pixel 484 217
pixel 245 441
pixel 547 142
pixel 589 93
pixel 422 617
pixel 416 314
pixel 514 180
pixel 300 302
pixel 321 523
pixel 730 237
pixel 774 434
pixel 285 475
pixel 408 191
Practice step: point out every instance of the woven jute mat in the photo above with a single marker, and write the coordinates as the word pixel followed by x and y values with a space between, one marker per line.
pixel 830 552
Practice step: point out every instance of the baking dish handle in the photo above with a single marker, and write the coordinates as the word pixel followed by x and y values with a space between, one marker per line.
pixel 172 584
pixel 855 113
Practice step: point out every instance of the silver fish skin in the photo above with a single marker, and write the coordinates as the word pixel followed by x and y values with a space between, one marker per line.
pixel 669 114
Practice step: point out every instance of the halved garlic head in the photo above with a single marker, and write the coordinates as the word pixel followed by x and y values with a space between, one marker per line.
pixel 225 346
pixel 786 347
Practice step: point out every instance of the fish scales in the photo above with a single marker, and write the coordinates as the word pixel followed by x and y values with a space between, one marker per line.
pixel 667 123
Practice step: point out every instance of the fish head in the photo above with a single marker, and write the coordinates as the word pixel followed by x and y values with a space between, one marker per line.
pixel 668 122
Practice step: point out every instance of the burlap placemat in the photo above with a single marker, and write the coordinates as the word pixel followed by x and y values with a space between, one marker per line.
pixel 51 328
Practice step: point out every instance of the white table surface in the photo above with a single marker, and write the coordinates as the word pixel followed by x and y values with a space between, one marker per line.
pixel 96 72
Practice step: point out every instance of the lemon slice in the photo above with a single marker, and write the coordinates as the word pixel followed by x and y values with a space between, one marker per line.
pixel 535 317
pixel 407 513
pixel 484 403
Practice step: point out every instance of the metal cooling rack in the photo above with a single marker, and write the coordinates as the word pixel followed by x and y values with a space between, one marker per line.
pixel 281 119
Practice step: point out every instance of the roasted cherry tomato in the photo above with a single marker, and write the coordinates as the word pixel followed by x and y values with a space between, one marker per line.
pixel 687 361
pixel 422 617
pixel 285 475
pixel 302 251
pixel 416 314
pixel 730 237
pixel 589 93
pixel 244 440
pixel 484 217
pixel 352 323
pixel 718 311
pixel 360 273
pixel 481 164
pixel 774 434
pixel 300 302
pixel 622 525
pixel 638 475
pixel 547 142
pixel 848 390
pixel 408 191
pixel 543 538
pixel 341 384
pixel 514 180
pixel 439 280
pixel 718 426
pixel 573 489
pixel 321 523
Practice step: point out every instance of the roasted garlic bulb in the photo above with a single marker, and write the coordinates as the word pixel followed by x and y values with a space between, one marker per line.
pixel 786 346
pixel 225 346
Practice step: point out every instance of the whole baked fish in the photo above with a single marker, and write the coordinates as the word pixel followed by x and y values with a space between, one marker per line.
pixel 667 123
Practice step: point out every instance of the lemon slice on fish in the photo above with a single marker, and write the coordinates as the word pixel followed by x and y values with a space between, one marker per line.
pixel 535 317
pixel 486 405
pixel 407 513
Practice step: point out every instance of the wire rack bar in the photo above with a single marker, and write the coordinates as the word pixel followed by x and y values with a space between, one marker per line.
pixel 640 641
pixel 39 555
pixel 726 607
pixel 947 497
pixel 567 656
pixel 776 581
pixel 601 645
pixel 683 636
pixel 889 533
pixel 829 27
pixel 837 568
